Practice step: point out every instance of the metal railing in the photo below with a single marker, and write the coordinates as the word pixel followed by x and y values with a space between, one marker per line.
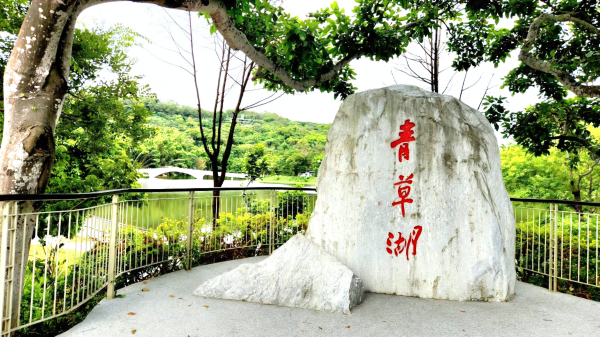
pixel 561 244
pixel 69 256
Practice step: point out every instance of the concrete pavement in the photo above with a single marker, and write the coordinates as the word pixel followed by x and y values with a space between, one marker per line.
pixel 533 312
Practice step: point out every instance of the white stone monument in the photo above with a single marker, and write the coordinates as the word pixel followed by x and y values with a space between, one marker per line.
pixel 411 198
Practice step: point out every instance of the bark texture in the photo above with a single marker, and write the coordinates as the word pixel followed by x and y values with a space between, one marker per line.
pixel 35 83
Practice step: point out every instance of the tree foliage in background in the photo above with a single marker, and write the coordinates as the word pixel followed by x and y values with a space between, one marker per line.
pixel 255 163
pixel 102 119
pixel 559 49
pixel 550 176
pixel 102 116
pixel 170 147
pixel 290 148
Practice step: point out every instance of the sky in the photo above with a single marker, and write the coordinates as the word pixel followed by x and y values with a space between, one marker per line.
pixel 167 73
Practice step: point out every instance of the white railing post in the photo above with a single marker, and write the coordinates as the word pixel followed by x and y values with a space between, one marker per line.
pixel 555 274
pixel 550 248
pixel 5 264
pixel 112 253
pixel 273 219
pixel 190 232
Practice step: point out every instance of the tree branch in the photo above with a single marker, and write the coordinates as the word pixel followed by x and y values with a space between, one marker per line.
pixel 202 135
pixel 485 92
pixel 589 172
pixel 237 40
pixel 593 151
pixel 223 100
pixel 563 77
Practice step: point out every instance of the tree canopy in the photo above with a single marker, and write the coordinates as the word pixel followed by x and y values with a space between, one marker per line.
pixel 102 120
pixel 314 53
pixel 558 44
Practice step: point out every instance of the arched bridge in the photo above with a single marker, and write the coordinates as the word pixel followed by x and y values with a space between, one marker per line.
pixel 154 173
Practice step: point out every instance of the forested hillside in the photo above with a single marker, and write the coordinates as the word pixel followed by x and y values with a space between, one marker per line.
pixel 296 147
pixel 291 147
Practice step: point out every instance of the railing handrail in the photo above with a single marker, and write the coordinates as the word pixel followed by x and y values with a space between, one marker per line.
pixel 98 194
pixel 92 246
pixel 92 195
pixel 554 201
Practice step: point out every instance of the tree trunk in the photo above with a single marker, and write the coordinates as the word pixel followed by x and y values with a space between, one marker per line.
pixel 216 201
pixel 577 197
pixel 35 84
pixel 436 62
pixel 576 191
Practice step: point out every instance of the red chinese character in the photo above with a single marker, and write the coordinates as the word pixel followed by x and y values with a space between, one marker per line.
pixel 403 192
pixel 406 135
pixel 403 245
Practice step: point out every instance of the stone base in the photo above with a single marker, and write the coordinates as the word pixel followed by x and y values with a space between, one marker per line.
pixel 298 274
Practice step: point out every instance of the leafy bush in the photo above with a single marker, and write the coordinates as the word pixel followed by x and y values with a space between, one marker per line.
pixel 577 255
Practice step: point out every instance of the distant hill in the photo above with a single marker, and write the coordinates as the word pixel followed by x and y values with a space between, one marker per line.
pixel 292 147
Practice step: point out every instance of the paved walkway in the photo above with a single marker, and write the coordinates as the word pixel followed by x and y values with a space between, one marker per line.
pixel 533 312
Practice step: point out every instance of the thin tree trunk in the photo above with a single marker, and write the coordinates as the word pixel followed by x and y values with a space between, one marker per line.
pixel 436 62
pixel 576 191
pixel 577 197
pixel 216 201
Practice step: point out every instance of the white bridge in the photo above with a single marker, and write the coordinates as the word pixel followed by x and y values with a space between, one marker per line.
pixel 203 179
pixel 157 178
pixel 154 173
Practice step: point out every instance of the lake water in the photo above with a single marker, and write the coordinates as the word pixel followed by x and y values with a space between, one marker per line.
pixel 175 206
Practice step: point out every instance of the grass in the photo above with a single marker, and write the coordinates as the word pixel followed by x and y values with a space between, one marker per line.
pixel 289 180
pixel 41 254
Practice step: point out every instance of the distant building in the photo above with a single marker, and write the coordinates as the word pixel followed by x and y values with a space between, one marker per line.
pixel 242 120
pixel 307 174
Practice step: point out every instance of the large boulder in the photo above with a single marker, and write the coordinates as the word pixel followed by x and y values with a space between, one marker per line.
pixel 411 197
pixel 298 274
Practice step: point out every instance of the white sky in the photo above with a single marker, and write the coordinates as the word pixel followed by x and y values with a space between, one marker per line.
pixel 172 83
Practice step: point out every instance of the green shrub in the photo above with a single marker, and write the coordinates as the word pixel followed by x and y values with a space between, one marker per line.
pixel 577 255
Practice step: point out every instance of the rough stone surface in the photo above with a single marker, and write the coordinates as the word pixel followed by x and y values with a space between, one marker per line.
pixel 466 247
pixel 298 274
